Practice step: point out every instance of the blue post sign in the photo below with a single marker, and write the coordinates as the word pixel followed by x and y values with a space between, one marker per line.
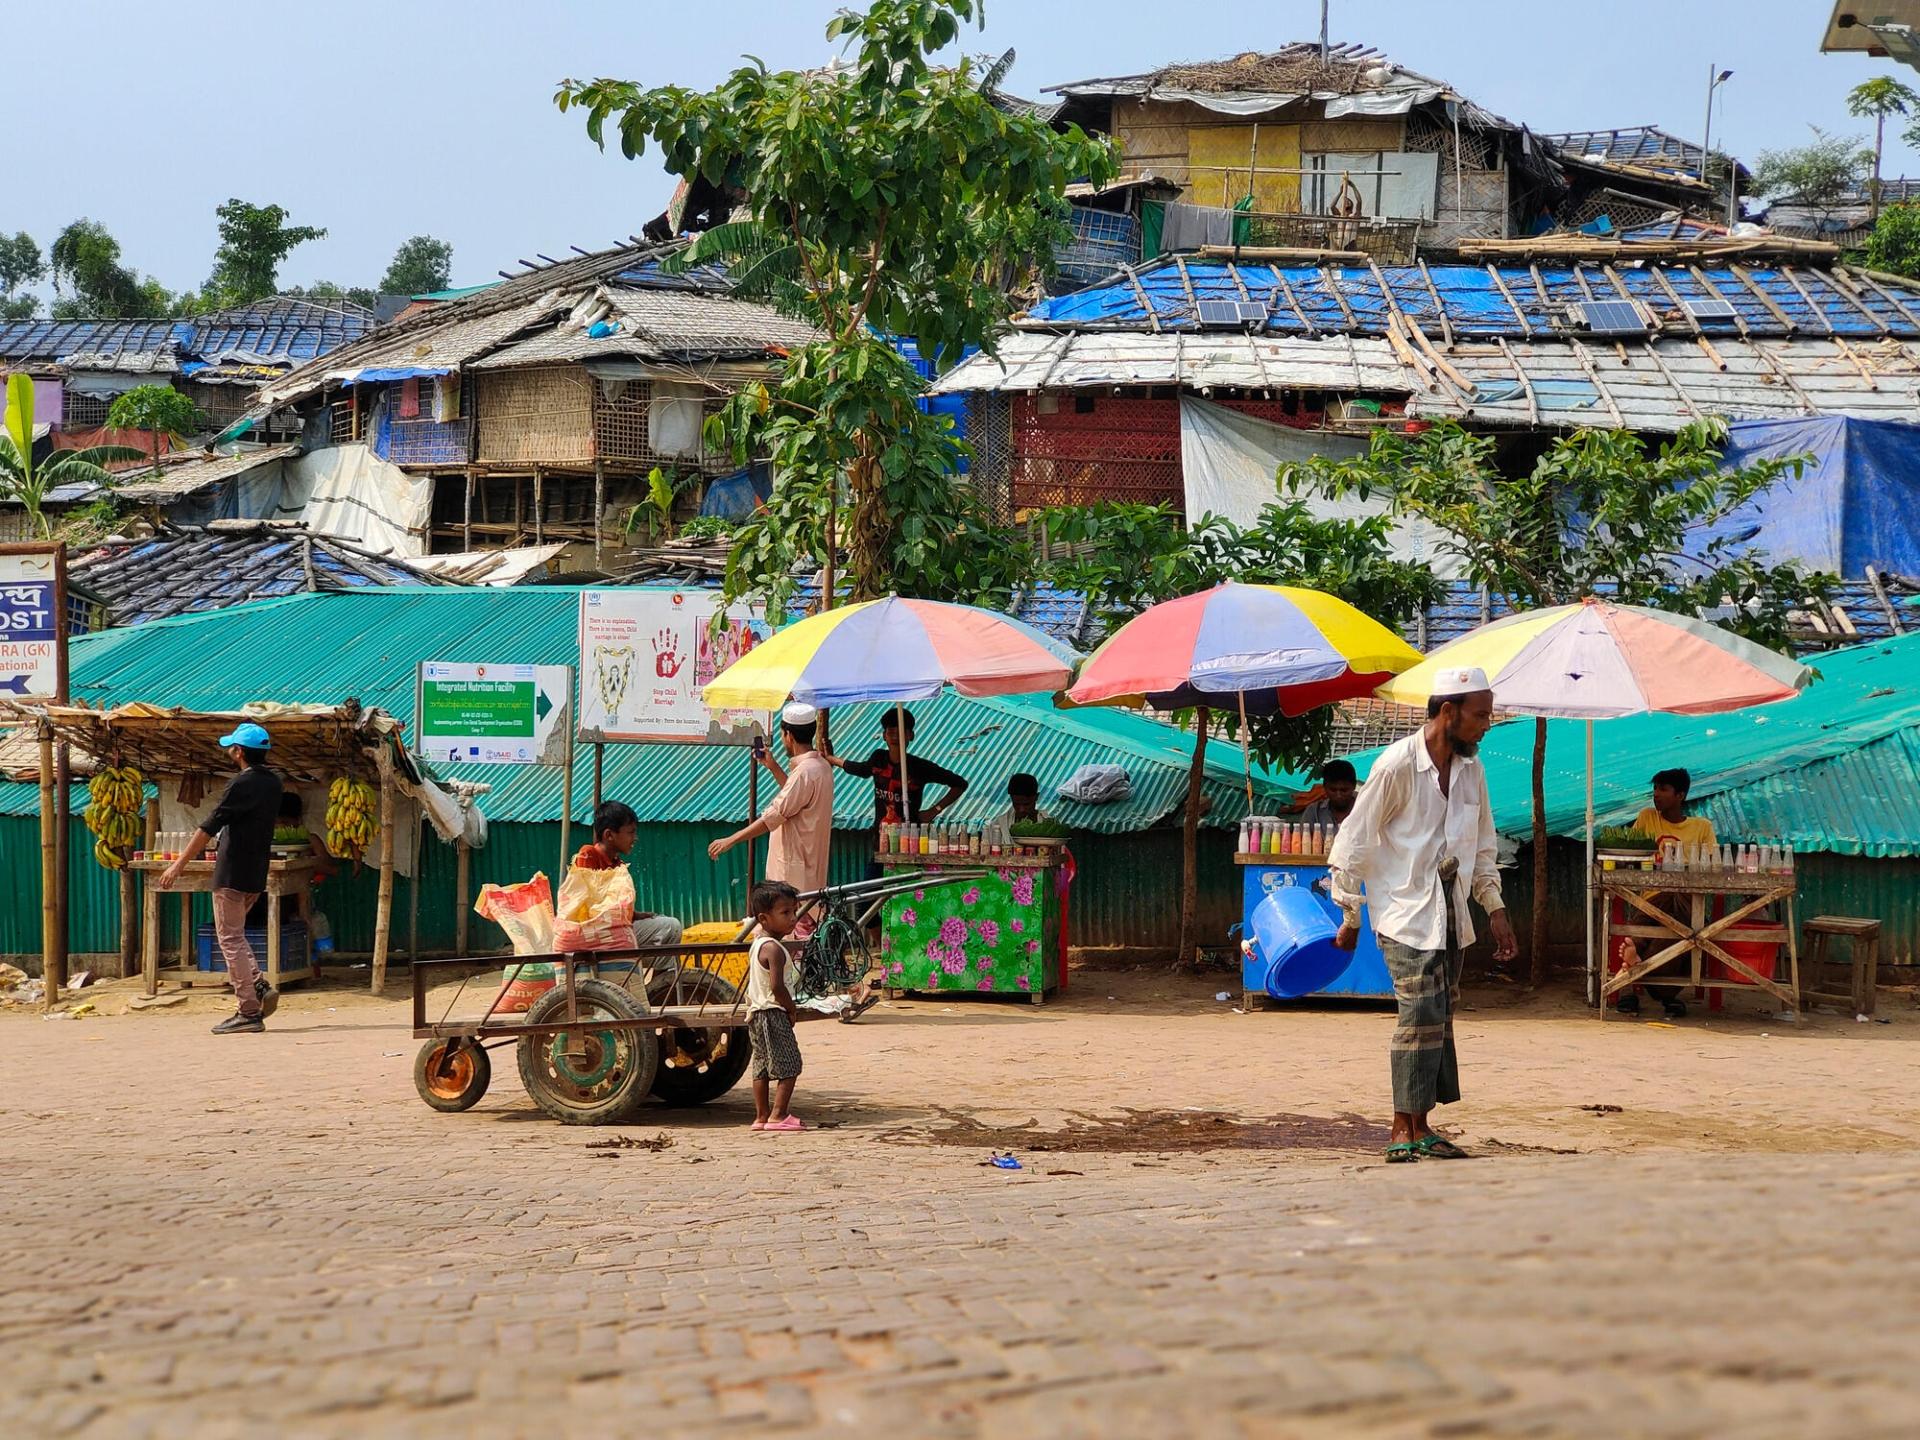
pixel 30 630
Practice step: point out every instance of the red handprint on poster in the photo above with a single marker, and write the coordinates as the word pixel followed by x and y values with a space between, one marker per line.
pixel 667 658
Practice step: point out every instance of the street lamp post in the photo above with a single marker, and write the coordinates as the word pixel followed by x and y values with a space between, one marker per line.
pixel 1714 82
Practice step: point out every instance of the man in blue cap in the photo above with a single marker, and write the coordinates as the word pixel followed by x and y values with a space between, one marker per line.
pixel 245 817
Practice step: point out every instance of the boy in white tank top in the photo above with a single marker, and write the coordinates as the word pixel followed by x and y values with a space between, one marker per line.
pixel 770 1008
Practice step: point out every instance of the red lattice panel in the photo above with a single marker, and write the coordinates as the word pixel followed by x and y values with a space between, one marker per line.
pixel 1120 447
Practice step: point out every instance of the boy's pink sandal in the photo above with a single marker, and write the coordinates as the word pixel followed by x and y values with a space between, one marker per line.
pixel 758 1125
pixel 788 1123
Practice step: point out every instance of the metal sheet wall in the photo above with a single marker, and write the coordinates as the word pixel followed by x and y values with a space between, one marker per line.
pixel 1127 893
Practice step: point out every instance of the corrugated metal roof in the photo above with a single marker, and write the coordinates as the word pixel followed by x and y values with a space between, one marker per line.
pixel 1837 769
pixel 278 329
pixel 1646 147
pixel 1030 360
pixel 179 481
pixel 366 645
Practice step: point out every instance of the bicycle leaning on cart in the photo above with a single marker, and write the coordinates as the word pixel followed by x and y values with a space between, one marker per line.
pixel 622 1025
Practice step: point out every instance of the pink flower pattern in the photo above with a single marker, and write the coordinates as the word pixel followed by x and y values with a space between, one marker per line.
pixel 971 896
pixel 989 931
pixel 1023 890
pixel 1024 983
pixel 909 917
pixel 1018 925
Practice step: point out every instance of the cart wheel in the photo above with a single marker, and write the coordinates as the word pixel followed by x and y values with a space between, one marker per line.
pixel 711 1062
pixel 608 1080
pixel 451 1075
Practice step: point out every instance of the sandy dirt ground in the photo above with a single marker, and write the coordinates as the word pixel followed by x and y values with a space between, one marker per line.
pixel 1698 1228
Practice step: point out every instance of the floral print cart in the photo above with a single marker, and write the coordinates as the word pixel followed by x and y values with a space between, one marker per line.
pixel 999 934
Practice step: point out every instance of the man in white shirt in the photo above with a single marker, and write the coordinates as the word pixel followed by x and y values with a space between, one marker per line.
pixel 1420 841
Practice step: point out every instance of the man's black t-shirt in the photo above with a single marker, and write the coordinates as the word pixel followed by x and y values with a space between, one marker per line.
pixel 879 768
pixel 247 814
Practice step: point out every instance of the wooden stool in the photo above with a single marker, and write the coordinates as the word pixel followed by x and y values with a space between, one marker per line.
pixel 1863 954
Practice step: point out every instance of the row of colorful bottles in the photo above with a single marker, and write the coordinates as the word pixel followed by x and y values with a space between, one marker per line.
pixel 945 838
pixel 169 845
pixel 1762 859
pixel 1260 836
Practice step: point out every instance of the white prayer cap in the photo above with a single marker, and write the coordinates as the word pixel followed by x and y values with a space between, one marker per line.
pixel 1460 680
pixel 799 713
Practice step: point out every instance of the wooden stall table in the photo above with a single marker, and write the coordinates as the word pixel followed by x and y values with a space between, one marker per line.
pixel 1695 940
pixel 285 877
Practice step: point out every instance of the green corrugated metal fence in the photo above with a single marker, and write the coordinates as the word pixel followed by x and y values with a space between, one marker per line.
pixel 1127 893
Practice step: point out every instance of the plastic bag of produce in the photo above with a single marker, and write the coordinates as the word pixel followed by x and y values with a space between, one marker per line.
pixel 595 910
pixel 525 912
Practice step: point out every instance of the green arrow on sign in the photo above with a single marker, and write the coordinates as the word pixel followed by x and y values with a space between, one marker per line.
pixel 542 706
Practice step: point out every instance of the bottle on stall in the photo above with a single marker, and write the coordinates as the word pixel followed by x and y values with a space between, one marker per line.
pixel 1240 839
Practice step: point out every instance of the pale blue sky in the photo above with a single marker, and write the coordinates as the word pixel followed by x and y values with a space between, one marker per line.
pixel 383 120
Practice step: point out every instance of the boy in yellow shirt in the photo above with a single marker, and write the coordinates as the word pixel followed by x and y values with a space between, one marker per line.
pixel 1667 819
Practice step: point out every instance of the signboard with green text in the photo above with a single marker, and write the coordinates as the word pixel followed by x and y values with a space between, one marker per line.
pixel 492 714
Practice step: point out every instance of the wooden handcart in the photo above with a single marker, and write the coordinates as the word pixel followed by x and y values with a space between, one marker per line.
pixel 618 1026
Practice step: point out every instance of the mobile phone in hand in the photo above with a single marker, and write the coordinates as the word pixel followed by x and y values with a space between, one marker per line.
pixel 759 747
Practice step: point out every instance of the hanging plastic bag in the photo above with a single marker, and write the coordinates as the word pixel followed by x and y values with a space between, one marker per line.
pixel 595 910
pixel 525 912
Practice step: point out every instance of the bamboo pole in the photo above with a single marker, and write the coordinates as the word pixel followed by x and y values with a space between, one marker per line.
pixel 49 870
pixel 383 906
pixel 1190 839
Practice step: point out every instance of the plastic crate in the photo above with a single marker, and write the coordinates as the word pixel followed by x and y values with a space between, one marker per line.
pixel 293 946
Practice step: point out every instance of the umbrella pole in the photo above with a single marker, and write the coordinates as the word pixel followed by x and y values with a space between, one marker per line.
pixel 906 794
pixel 1593 962
pixel 1190 839
pixel 1246 752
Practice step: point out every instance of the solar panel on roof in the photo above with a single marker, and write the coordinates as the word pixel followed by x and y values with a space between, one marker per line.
pixel 1613 317
pixel 1218 312
pixel 1711 310
pixel 1254 310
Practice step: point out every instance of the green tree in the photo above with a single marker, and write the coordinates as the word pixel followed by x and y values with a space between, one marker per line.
pixel 90 283
pixel 1877 99
pixel 888 195
pixel 20 265
pixel 1601 512
pixel 160 410
pixel 421 265
pixel 328 290
pixel 254 239
pixel 1819 175
pixel 27 481
pixel 1894 245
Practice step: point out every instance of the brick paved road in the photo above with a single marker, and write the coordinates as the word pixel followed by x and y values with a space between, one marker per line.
pixel 239 1237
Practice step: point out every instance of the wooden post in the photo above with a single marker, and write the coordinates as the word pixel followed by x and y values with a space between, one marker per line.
pixel 49 873
pixel 599 776
pixel 62 861
pixel 466 515
pixel 129 923
pixel 566 817
pixel 383 906
pixel 1190 839
pixel 462 909
pixel 599 504
pixel 753 813
pixel 150 907
pixel 539 505
pixel 1537 940
pixel 413 892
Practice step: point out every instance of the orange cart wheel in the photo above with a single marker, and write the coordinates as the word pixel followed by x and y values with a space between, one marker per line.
pixel 451 1075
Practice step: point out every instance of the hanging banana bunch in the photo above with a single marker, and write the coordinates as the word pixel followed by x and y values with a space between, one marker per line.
pixel 351 807
pixel 113 814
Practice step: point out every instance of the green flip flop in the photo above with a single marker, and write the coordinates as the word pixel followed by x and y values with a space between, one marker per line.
pixel 1439 1147
pixel 1402 1152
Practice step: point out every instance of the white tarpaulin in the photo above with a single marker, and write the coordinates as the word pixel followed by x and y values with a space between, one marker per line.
pixel 1229 463
pixel 674 418
pixel 350 493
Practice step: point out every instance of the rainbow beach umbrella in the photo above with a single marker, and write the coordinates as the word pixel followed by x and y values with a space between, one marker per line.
pixel 1271 649
pixel 895 650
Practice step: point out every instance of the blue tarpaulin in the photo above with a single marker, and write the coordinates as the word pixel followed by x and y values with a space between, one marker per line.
pixel 1856 504
pixel 734 497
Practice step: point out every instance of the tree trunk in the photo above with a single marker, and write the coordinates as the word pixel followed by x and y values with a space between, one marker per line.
pixel 1190 841
pixel 867 545
pixel 1537 944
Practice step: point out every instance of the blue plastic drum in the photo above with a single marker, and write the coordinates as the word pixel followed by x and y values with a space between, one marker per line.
pixel 1291 934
